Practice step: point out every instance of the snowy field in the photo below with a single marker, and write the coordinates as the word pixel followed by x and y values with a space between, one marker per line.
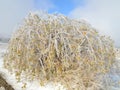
pixel 36 86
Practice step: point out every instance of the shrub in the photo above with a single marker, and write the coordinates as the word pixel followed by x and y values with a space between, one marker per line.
pixel 55 48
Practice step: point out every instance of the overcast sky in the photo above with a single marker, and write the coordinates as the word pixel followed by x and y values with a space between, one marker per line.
pixel 102 14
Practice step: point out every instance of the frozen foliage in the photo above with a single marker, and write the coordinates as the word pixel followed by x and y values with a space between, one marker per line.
pixel 2 88
pixel 54 48
pixel 117 51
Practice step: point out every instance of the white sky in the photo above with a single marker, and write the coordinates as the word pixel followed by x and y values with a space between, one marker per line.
pixel 11 13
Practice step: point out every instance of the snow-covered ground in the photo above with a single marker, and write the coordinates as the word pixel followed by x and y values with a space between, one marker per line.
pixel 34 85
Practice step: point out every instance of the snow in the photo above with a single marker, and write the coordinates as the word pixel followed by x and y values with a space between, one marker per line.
pixel 34 85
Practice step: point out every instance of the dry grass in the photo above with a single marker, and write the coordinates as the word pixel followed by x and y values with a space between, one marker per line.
pixel 4 85
pixel 55 48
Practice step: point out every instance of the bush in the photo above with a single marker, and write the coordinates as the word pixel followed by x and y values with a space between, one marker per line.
pixel 55 48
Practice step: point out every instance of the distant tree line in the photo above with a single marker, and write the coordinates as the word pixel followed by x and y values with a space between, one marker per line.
pixel 4 40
